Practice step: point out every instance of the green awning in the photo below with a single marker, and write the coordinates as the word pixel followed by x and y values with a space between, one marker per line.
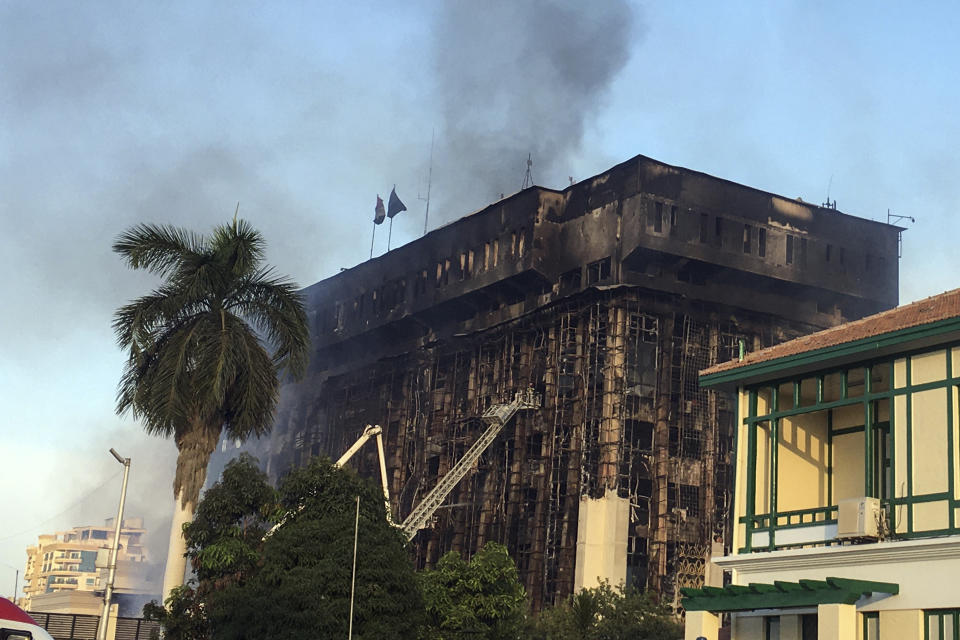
pixel 781 595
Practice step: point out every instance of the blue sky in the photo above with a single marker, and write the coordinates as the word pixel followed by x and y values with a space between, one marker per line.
pixel 304 112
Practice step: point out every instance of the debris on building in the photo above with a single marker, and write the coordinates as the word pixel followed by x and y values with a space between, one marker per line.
pixel 607 298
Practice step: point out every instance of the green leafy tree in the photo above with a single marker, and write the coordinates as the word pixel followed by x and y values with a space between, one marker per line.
pixel 183 617
pixel 482 598
pixel 197 364
pixel 606 613
pixel 301 587
pixel 225 540
pixel 224 545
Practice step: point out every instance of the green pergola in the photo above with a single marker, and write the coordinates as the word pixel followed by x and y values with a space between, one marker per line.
pixel 782 595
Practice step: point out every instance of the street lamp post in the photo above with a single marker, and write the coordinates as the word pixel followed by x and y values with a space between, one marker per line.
pixel 108 591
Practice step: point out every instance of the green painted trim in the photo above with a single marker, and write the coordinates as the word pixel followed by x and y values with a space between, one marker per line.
pixel 782 594
pixel 830 456
pixel 867 447
pixel 774 471
pixel 751 476
pixel 870 615
pixel 926 497
pixel 950 461
pixel 847 430
pixel 909 431
pixel 857 347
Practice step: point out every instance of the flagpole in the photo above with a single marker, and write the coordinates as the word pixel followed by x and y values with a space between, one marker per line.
pixel 372 236
pixel 389 234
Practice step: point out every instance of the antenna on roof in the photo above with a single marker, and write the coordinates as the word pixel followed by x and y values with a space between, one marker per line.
pixel 426 214
pixel 828 204
pixel 528 178
pixel 893 218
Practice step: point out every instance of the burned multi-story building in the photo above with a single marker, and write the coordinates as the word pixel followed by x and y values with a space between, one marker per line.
pixel 607 298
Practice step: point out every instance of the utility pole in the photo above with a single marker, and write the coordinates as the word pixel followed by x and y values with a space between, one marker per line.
pixel 108 592
pixel 353 576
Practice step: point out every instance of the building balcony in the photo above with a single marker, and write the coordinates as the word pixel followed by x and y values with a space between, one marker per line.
pixel 885 433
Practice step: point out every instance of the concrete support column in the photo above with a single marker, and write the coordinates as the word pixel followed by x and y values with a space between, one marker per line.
pixel 837 622
pixel 791 627
pixel 902 625
pixel 701 624
pixel 745 628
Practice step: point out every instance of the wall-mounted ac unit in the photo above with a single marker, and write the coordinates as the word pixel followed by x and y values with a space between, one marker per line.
pixel 858 518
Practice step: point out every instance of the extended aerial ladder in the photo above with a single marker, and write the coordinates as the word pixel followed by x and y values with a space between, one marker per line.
pixel 496 416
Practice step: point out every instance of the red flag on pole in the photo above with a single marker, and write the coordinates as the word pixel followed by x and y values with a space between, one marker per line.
pixel 379 213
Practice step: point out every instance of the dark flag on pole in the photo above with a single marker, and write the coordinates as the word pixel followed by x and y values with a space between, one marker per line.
pixel 378 212
pixel 394 205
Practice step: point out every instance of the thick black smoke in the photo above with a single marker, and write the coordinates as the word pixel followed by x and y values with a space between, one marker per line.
pixel 515 78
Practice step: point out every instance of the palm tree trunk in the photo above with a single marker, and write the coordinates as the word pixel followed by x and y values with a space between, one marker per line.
pixel 173 573
pixel 195 445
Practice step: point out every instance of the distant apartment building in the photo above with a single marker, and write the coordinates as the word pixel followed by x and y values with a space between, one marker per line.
pixel 63 573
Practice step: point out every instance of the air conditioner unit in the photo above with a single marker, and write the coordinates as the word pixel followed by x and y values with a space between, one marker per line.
pixel 858 518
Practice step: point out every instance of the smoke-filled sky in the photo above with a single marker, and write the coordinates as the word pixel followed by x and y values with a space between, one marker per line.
pixel 113 114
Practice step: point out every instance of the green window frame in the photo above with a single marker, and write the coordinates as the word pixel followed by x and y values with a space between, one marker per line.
pixel 941 624
pixel 771 628
pixel 871 625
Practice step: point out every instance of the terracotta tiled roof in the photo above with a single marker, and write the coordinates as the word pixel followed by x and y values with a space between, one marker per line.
pixel 939 307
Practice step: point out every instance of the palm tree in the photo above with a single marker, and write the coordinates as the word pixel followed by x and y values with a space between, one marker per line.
pixel 197 362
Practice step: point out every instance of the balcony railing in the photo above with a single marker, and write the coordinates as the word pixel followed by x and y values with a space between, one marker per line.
pixel 799 528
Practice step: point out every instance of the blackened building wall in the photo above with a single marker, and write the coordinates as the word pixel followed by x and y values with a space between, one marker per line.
pixel 607 297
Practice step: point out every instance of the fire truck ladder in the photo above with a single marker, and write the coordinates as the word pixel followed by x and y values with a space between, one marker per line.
pixel 496 416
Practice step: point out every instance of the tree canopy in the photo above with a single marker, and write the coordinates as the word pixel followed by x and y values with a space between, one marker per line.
pixel 295 582
pixel 608 613
pixel 482 598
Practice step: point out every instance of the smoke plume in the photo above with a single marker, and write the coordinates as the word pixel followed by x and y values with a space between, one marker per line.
pixel 518 78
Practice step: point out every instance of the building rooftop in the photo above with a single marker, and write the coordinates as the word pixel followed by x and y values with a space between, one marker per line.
pixel 865 334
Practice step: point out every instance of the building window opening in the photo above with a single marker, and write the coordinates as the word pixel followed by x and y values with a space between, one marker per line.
pixel 673 220
pixel 746 238
pixel 771 628
pixel 789 249
pixel 941 624
pixel 570 279
pixel 761 242
pixel 598 271
pixel 658 217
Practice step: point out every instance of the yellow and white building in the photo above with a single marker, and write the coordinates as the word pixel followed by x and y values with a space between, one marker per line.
pixel 63 572
pixel 847 499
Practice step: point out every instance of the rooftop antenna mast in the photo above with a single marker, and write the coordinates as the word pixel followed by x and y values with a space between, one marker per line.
pixel 828 204
pixel 426 215
pixel 528 178
pixel 893 218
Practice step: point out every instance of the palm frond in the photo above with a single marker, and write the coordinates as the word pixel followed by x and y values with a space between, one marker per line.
pixel 238 246
pixel 275 307
pixel 157 248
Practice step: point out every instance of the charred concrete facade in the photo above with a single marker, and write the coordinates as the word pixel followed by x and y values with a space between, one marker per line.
pixel 608 298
